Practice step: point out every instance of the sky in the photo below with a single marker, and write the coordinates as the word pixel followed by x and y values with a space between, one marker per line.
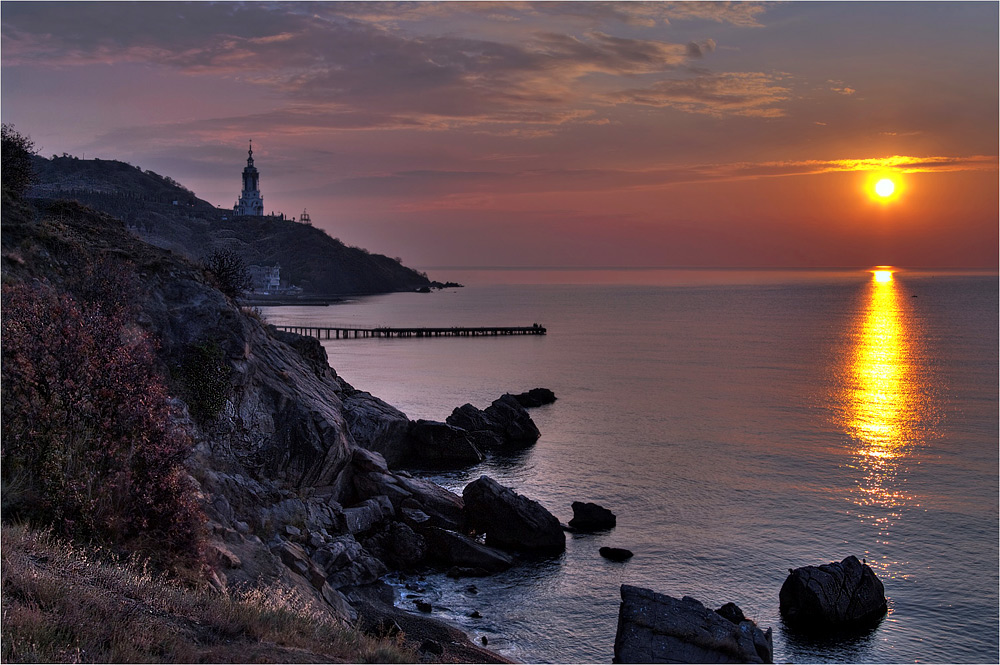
pixel 585 134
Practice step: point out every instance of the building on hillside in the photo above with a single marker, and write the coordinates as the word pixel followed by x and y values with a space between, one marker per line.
pixel 250 202
pixel 265 279
pixel 305 218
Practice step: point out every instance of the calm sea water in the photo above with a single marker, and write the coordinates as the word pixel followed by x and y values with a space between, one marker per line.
pixel 739 423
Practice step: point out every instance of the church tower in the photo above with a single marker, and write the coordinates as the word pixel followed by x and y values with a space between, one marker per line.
pixel 250 202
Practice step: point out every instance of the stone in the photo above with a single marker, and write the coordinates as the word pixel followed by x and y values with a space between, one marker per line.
pixel 338 602
pixel 470 419
pixel 615 553
pixel 346 563
pixel 423 605
pixel 536 397
pixel 431 646
pixel 377 426
pixel 833 596
pixel 732 612
pixel 435 443
pixel 456 549
pixel 368 513
pixel 474 614
pixel 444 508
pixel 510 520
pixel 657 628
pixel 588 517
pixel 457 572
pixel 515 425
pixel 369 460
pixel 397 545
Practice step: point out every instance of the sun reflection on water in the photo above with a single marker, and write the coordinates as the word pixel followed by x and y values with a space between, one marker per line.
pixel 883 407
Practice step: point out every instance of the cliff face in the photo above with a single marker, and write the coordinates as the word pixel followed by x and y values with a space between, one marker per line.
pixel 165 214
pixel 274 465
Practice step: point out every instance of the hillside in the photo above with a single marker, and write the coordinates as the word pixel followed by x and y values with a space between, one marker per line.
pixel 164 213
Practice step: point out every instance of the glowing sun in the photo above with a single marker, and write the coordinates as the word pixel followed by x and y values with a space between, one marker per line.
pixel 885 187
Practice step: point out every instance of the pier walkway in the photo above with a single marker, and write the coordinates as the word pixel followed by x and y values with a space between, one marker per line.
pixel 321 332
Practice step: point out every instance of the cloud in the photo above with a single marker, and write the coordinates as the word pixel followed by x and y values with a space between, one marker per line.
pixel 736 93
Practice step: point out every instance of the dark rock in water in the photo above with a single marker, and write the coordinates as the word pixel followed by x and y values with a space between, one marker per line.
pixel 475 615
pixel 656 628
pixel 470 419
pixel 377 426
pixel 431 646
pixel 423 605
pixel 457 572
pixel 472 589
pixel 535 397
pixel 509 520
pixel 831 597
pixel 441 443
pixel 591 517
pixel 732 612
pixel 615 553
pixel 485 640
pixel 515 425
pixel 456 549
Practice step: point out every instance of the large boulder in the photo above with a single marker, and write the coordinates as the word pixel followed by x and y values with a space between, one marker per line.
pixel 514 423
pixel 434 443
pixel 455 549
pixel 376 425
pixel 657 628
pixel 589 517
pixel 832 597
pixel 397 545
pixel 504 423
pixel 509 520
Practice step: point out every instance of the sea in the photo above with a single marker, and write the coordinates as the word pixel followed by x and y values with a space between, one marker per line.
pixel 739 423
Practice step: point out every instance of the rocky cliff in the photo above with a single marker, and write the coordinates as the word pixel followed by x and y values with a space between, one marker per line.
pixel 288 494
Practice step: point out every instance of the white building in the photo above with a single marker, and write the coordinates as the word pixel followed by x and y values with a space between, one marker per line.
pixel 250 202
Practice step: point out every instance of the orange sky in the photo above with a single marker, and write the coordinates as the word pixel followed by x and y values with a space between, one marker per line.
pixel 564 134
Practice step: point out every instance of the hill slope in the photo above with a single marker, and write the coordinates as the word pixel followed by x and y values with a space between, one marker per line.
pixel 165 214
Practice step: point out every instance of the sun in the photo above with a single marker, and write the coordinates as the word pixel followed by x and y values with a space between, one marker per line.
pixel 885 187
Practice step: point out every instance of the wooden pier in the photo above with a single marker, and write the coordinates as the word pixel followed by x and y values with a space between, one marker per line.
pixel 322 332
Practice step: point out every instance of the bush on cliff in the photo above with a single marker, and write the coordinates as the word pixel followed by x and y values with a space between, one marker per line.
pixel 229 272
pixel 88 442
pixel 15 161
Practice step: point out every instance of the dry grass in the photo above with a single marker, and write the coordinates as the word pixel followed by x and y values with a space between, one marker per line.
pixel 64 604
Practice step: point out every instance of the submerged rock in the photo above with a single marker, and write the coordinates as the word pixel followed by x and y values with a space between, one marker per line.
pixel 834 596
pixel 657 628
pixel 589 517
pixel 615 553
pixel 510 520
pixel 536 397
pixel 463 552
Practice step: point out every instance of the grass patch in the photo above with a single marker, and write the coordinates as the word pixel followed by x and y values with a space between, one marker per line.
pixel 64 604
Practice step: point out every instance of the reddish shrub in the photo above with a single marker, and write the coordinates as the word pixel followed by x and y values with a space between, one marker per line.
pixel 88 442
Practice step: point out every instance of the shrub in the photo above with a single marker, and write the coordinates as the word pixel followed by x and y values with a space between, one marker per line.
pixel 15 161
pixel 88 440
pixel 229 272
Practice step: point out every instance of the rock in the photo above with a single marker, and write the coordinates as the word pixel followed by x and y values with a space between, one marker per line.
pixel 455 549
pixel 397 545
pixel 470 419
pixel 484 640
pixel 423 605
pixel 377 426
pixel 589 517
pixel 833 596
pixel 338 602
pixel 368 513
pixel 514 423
pixel 369 461
pixel 431 646
pixel 346 563
pixel 438 443
pixel 509 520
pixel 656 628
pixel 732 612
pixel 444 508
pixel 535 397
pixel 615 553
